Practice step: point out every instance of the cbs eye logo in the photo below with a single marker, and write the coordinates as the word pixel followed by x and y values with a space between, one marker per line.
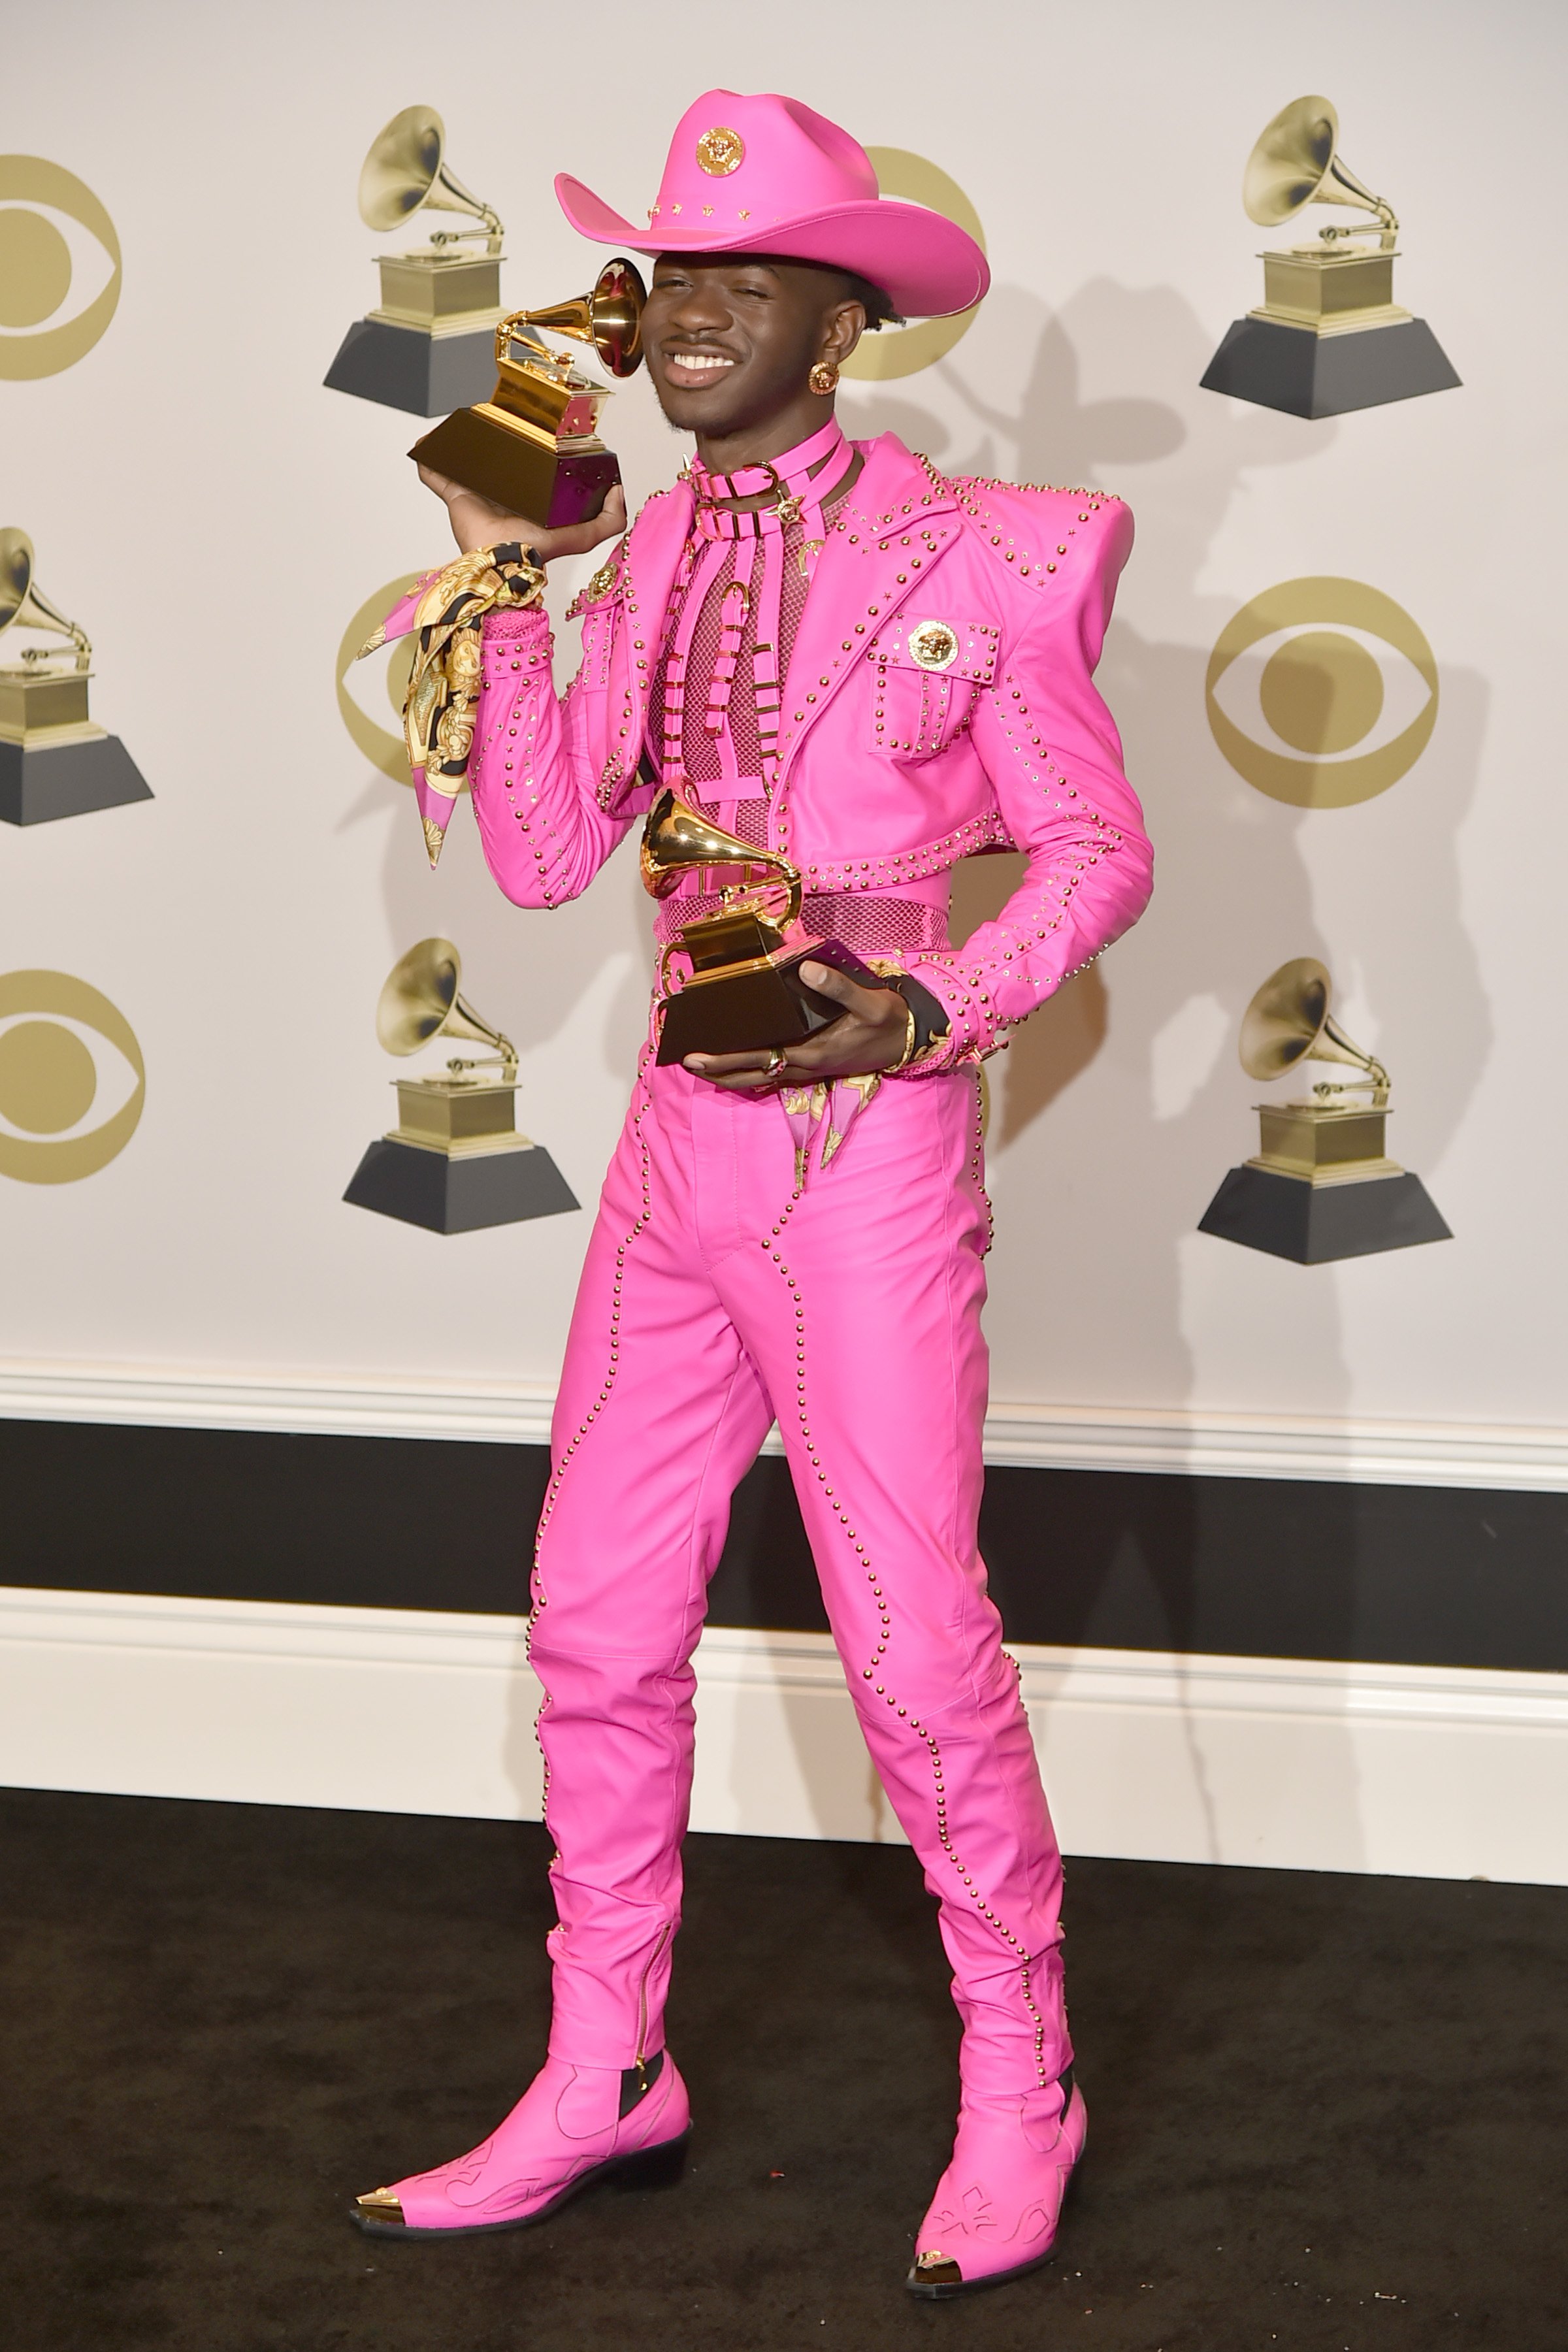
pixel 68 1057
pixel 1321 692
pixel 55 239
pixel 904 350
pixel 383 749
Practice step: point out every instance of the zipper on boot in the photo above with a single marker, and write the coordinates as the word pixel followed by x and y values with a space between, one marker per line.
pixel 640 2078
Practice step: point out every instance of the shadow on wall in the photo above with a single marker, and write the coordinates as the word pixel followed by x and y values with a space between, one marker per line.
pixel 1056 1044
pixel 1233 897
pixel 1231 887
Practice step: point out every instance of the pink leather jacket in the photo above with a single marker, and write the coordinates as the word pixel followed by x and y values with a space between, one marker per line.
pixel 890 771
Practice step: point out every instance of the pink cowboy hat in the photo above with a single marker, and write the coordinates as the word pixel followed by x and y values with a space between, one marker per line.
pixel 765 175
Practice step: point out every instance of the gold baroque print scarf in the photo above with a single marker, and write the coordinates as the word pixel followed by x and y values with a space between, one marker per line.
pixel 444 685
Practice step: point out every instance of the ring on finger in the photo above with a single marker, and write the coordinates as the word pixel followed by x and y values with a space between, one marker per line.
pixel 776 1060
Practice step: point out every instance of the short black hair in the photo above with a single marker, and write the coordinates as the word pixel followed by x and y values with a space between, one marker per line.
pixel 879 310
pixel 852 288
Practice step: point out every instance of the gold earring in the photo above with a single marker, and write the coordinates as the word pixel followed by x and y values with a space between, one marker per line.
pixel 824 377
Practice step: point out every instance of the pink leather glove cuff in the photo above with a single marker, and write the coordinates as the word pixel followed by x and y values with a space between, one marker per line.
pixel 529 621
pixel 970 1032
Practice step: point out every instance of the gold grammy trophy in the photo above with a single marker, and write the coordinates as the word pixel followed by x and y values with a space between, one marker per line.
pixel 53 761
pixel 1327 336
pixel 1322 1185
pixel 533 448
pixel 744 990
pixel 455 1162
pixel 427 346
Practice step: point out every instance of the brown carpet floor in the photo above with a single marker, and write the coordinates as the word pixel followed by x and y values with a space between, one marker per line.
pixel 1328 2115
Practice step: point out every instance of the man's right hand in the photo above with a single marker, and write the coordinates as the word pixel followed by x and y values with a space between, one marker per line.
pixel 475 523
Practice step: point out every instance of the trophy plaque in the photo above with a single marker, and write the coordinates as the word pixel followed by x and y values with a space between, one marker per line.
pixel 1322 1185
pixel 743 988
pixel 1327 336
pixel 53 761
pixel 533 448
pixel 428 344
pixel 455 1162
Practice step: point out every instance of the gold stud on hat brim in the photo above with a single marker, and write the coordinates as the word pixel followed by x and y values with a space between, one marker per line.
pixel 941 272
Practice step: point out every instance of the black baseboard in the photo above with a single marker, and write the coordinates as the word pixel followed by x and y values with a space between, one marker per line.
pixel 1244 1567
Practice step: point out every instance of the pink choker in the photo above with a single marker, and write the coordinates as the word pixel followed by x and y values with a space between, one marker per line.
pixel 800 497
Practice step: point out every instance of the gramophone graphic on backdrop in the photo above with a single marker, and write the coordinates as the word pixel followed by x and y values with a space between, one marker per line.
pixel 1327 336
pixel 1322 1185
pixel 53 761
pixel 427 345
pixel 455 1162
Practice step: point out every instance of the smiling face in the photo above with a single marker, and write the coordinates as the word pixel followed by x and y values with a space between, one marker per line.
pixel 729 343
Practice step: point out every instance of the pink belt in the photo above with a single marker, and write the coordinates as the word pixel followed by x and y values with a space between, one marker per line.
pixel 859 919
pixel 868 922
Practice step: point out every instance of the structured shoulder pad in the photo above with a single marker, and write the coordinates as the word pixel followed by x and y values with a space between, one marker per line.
pixel 603 588
pixel 1035 528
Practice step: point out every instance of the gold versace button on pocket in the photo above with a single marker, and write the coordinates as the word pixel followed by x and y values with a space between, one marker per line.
pixel 932 645
pixel 926 672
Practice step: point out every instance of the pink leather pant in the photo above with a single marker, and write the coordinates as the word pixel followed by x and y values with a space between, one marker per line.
pixel 715 1296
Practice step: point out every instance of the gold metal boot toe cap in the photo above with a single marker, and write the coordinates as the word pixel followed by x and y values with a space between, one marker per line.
pixel 933 2268
pixel 381 2205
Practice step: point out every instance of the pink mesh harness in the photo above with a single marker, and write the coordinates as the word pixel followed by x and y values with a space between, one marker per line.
pixel 729 631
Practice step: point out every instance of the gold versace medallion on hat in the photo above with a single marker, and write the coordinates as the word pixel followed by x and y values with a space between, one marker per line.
pixel 720 151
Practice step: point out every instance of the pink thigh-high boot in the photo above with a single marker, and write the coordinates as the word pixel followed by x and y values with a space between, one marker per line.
pixel 716 1292
pixel 659 1415
pixel 860 1303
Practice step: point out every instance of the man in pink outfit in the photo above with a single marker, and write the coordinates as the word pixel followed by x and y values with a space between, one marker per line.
pixel 839 655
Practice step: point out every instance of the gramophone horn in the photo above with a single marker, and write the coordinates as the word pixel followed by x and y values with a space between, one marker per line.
pixel 420 1002
pixel 677 840
pixel 1296 164
pixel 24 606
pixel 609 317
pixel 16 573
pixel 406 173
pixel 1289 1022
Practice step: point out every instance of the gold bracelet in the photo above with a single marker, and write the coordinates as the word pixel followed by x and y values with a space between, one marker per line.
pixel 911 1032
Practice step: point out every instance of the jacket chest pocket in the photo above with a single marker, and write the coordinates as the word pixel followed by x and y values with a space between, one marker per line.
pixel 926 673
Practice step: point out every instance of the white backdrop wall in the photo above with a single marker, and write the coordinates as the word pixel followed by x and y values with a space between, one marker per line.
pixel 215 517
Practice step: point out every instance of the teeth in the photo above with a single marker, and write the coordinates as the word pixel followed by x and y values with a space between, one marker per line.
pixel 700 362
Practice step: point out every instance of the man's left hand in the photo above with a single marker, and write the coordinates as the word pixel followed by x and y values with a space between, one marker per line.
pixel 870 1034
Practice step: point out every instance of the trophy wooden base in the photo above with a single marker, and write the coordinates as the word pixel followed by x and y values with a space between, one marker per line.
pixel 745 1012
pixel 40 781
pixel 518 472
pixel 1314 1223
pixel 400 367
pixel 460 1195
pixel 1308 374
